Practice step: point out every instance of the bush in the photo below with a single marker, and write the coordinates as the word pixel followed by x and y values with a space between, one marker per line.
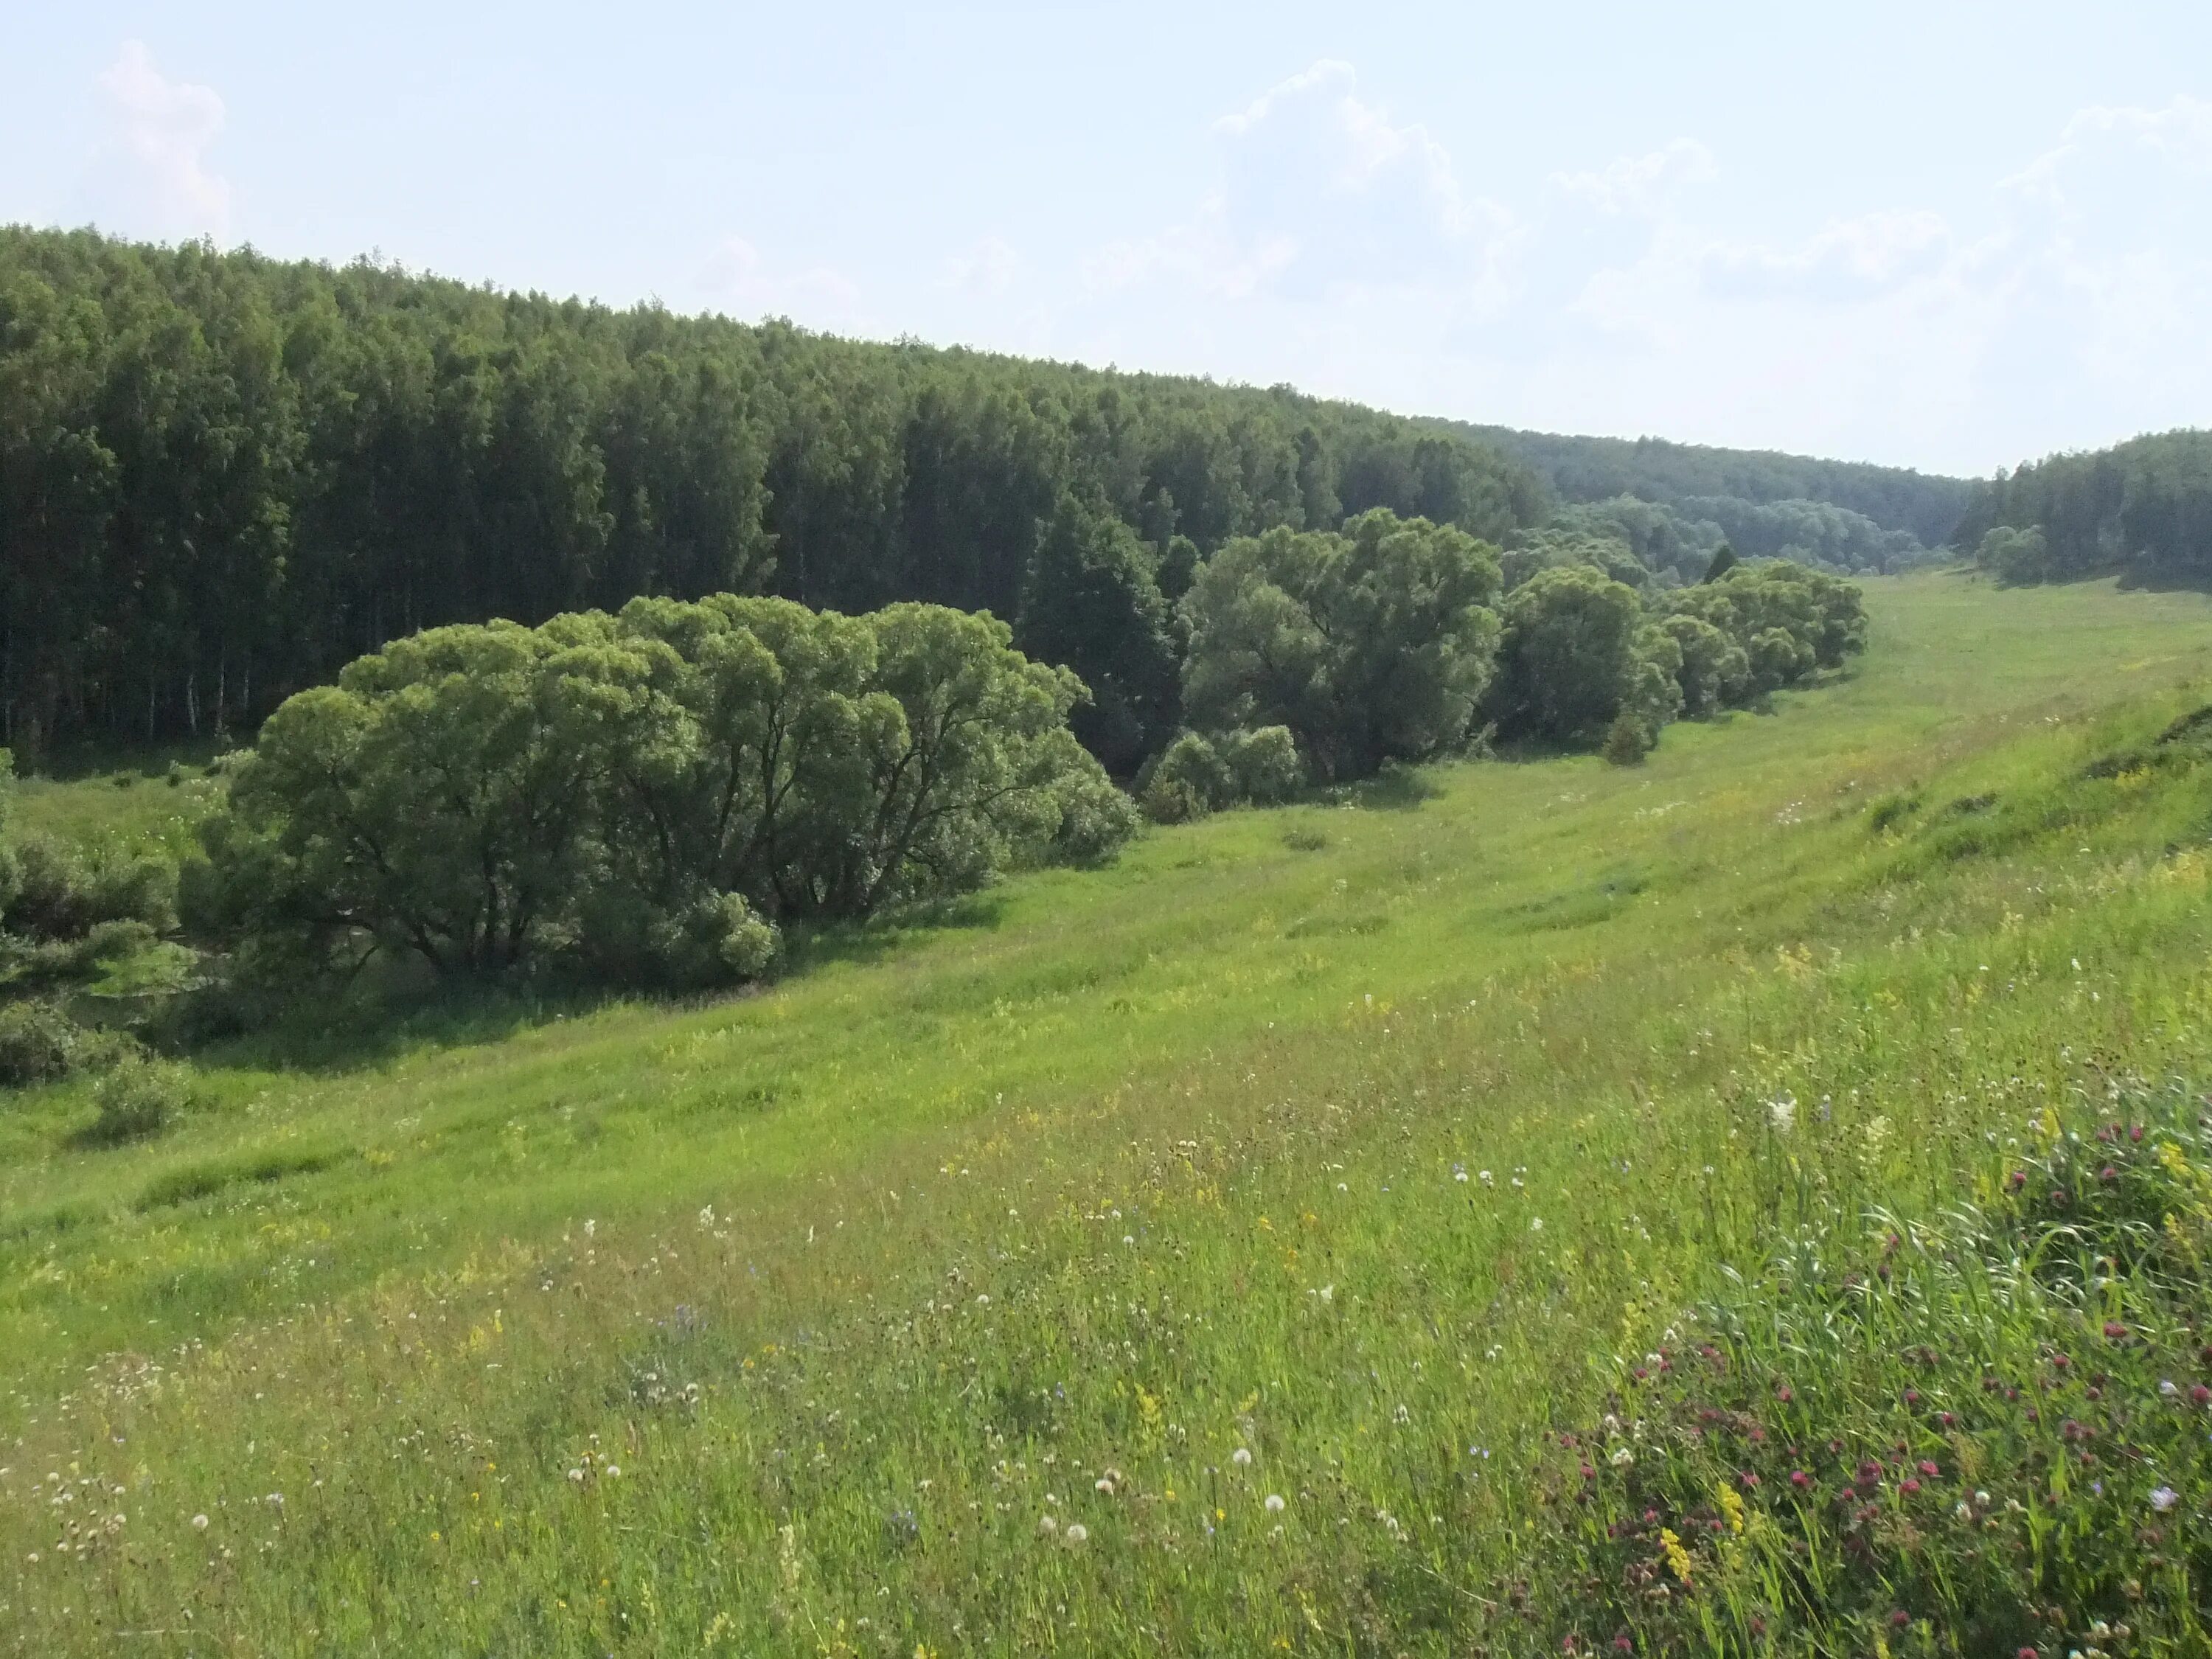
pixel 1628 740
pixel 1187 782
pixel 1264 764
pixel 39 1044
pixel 485 796
pixel 137 1100
pixel 60 894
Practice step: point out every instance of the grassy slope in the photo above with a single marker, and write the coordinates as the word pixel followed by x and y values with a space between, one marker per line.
pixel 1135 1168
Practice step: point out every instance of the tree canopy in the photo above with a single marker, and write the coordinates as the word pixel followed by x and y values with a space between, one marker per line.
pixel 649 795
pixel 223 476
pixel 2141 509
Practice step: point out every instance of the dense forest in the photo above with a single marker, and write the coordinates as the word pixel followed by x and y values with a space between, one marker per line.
pixel 2142 509
pixel 1848 514
pixel 222 477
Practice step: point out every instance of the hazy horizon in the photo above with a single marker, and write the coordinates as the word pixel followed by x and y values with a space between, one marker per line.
pixel 1951 238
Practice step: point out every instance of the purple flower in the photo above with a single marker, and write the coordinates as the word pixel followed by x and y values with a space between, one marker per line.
pixel 2164 1499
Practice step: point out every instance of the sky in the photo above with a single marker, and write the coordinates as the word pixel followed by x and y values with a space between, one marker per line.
pixel 1949 236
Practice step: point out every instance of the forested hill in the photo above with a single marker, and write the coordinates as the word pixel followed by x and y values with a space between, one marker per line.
pixel 1701 482
pixel 222 477
pixel 2142 509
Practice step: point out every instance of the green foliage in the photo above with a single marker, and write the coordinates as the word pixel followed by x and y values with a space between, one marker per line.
pixel 2142 508
pixel 1198 775
pixel 2015 556
pixel 137 1099
pixel 1374 645
pixel 1716 670
pixel 223 476
pixel 1234 1148
pixel 1700 483
pixel 1987 1425
pixel 1568 661
pixel 1091 602
pixel 39 1044
pixel 652 794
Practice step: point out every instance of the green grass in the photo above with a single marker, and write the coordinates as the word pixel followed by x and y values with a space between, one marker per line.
pixel 128 807
pixel 1052 1208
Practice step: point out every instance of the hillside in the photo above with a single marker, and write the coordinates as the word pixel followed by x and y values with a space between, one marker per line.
pixel 1925 506
pixel 1244 1247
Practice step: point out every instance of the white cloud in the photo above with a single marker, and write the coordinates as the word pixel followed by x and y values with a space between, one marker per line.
pixel 1320 193
pixel 737 278
pixel 991 268
pixel 1646 187
pixel 150 175
pixel 1845 259
pixel 1344 248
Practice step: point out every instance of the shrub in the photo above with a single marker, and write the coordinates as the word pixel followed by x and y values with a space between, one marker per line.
pixel 39 1044
pixel 61 894
pixel 1264 765
pixel 1628 740
pixel 1372 645
pixel 1187 782
pixel 139 1099
pixel 485 796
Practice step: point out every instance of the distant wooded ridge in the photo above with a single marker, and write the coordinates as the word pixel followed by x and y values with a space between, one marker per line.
pixel 1925 506
pixel 223 475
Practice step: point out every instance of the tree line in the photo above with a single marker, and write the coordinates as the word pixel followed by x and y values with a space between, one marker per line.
pixel 2142 509
pixel 1697 478
pixel 1320 656
pixel 650 796
pixel 223 476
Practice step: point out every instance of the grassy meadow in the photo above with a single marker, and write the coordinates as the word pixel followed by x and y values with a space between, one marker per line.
pixel 1507 1209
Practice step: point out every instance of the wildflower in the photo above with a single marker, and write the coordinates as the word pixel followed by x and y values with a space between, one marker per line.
pixel 1782 1112
pixel 1678 1558
pixel 1536 1223
pixel 1327 1292
pixel 1800 1480
pixel 1931 1470
pixel 1077 1532
pixel 614 1471
pixel 1486 1178
pixel 2114 1331
pixel 576 1474
pixel 1274 1504
pixel 1240 1456
pixel 1047 1527
pixel 200 1522
pixel 1459 1172
pixel 1622 1458
pixel 2164 1499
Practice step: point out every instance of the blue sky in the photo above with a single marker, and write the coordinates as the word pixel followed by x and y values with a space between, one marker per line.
pixel 1945 236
